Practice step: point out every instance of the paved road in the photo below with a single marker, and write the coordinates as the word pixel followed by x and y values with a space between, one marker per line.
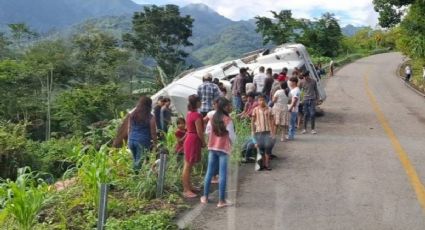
pixel 362 171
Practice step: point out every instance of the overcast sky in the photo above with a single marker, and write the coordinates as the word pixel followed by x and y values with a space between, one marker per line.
pixel 356 12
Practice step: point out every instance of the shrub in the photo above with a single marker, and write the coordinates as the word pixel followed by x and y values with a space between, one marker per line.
pixel 22 199
pixel 153 221
pixel 12 149
pixel 54 156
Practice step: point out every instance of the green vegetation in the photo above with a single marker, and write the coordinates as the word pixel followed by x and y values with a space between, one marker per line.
pixel 161 33
pixel 62 99
pixel 406 21
pixel 323 37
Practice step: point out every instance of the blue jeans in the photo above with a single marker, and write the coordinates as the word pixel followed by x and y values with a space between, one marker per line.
pixel 292 123
pixel 309 112
pixel 216 158
pixel 137 151
pixel 237 103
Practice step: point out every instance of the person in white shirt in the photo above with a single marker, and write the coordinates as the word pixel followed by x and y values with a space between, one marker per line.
pixel 295 95
pixel 259 80
pixel 408 73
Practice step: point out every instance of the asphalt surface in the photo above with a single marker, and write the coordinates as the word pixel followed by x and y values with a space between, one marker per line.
pixel 363 170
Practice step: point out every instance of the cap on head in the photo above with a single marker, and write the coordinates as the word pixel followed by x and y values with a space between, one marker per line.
pixel 207 77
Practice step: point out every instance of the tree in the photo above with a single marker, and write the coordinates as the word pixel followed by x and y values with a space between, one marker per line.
pixel 411 39
pixel 281 30
pixel 97 57
pixel 161 33
pixel 323 37
pixel 49 64
pixel 21 33
pixel 390 11
pixel 413 31
pixel 4 43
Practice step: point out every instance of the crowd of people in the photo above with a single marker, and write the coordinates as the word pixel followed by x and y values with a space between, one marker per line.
pixel 272 103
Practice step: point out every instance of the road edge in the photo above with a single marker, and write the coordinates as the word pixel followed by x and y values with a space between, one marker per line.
pixel 408 84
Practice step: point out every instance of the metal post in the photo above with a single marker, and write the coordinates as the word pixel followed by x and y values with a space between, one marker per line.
pixel 103 205
pixel 161 174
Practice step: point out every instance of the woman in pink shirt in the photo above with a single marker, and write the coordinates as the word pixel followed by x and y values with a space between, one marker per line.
pixel 221 136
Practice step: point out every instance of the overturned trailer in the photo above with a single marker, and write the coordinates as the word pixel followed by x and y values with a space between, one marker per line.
pixel 290 56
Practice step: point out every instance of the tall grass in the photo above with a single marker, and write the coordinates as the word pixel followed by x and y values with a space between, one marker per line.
pixel 22 199
pixel 93 169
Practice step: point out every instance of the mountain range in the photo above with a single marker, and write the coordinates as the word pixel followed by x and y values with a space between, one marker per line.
pixel 215 37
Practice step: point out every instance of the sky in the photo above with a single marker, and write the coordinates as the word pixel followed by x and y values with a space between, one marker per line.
pixel 355 12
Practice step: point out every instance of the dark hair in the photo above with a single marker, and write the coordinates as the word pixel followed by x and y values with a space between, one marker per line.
pixel 193 102
pixel 218 126
pixel 242 70
pixel 142 113
pixel 293 79
pixel 216 81
pixel 180 120
pixel 260 95
pixel 269 71
pixel 284 85
pixel 262 69
pixel 251 94
pixel 285 69
pixel 275 76
pixel 165 99
pixel 306 73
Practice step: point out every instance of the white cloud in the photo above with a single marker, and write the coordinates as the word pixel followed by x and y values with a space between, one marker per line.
pixel 357 12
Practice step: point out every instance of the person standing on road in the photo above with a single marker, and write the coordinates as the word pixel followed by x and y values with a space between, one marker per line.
pixel 263 130
pixel 295 95
pixel 207 92
pixel 268 84
pixel 259 80
pixel 221 137
pixel 238 89
pixel 280 109
pixel 408 73
pixel 310 98
pixel 193 144
pixel 331 68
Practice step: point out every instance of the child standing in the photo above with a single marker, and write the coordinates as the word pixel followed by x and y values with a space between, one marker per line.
pixel 221 138
pixel 193 144
pixel 263 129
pixel 295 95
pixel 180 136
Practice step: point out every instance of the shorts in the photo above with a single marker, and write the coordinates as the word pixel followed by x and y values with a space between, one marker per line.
pixel 264 142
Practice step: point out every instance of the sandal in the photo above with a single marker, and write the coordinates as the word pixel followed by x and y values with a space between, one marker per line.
pixel 227 204
pixel 268 168
pixel 189 195
pixel 204 200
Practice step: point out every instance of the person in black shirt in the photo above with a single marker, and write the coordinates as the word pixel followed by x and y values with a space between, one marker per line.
pixel 157 110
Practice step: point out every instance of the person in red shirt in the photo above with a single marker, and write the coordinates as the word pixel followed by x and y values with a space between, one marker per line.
pixel 180 136
pixel 283 75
